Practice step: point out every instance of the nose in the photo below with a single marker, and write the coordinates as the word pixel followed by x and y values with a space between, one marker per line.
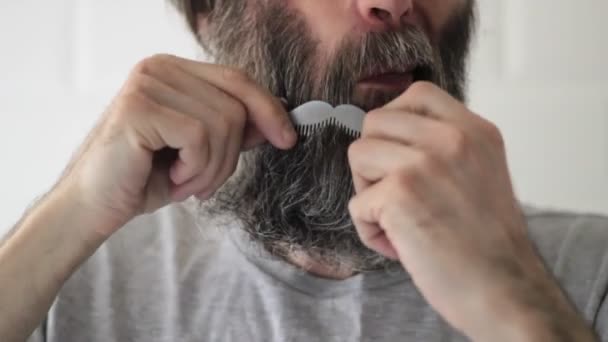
pixel 385 13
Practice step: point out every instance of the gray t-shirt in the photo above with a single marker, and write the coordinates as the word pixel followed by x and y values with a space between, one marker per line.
pixel 165 277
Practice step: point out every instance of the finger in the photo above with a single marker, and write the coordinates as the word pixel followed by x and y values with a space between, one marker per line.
pixel 185 83
pixel 161 127
pixel 231 157
pixel 374 238
pixel 370 233
pixel 169 97
pixel 360 183
pixel 428 99
pixel 390 206
pixel 402 126
pixel 190 163
pixel 201 182
pixel 191 160
pixel 207 94
pixel 158 127
pixel 438 137
pixel 176 83
pixel 265 110
pixel 251 138
pixel 373 159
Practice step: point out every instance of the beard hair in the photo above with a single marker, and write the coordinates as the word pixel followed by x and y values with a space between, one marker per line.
pixel 297 200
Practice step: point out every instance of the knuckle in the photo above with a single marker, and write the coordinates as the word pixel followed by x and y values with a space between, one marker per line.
pixel 224 124
pixel 371 119
pixel 234 75
pixel 235 111
pixel 354 150
pixel 152 63
pixel 134 102
pixel 197 133
pixel 139 84
pixel 403 184
pixel 427 162
pixel 164 57
pixel 494 134
pixel 421 87
pixel 143 66
pixel 457 144
pixel 404 179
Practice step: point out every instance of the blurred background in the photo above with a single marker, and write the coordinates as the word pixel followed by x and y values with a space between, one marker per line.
pixel 539 71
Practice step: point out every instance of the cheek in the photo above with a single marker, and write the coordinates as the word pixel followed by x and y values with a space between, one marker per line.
pixel 328 21
pixel 439 12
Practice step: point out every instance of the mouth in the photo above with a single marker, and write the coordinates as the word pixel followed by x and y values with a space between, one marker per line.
pixel 394 81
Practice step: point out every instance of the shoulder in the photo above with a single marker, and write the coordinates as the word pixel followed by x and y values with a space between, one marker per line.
pixel 574 247
pixel 560 233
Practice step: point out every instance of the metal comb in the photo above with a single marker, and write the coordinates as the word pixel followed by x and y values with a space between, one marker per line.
pixel 314 115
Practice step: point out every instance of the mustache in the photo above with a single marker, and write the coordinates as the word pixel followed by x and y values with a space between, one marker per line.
pixel 395 51
pixel 300 70
pixel 399 51
pixel 405 50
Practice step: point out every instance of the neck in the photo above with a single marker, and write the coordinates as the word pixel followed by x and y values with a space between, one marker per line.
pixel 319 269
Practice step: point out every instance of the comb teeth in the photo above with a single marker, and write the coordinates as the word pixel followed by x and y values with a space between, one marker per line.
pixel 313 116
pixel 310 129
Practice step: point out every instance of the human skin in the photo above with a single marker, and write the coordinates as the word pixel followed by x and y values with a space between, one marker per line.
pixel 417 171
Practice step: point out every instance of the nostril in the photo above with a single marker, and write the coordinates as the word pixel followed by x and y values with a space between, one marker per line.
pixel 379 13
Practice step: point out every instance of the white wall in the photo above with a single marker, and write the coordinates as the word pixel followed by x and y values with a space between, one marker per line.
pixel 539 72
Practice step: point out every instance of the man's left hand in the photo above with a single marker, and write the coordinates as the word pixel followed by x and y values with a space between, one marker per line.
pixel 434 191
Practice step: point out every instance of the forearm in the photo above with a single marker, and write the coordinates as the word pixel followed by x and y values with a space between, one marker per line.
pixel 536 311
pixel 47 246
pixel 558 320
pixel 569 327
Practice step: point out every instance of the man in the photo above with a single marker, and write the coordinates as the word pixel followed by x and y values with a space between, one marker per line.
pixel 411 232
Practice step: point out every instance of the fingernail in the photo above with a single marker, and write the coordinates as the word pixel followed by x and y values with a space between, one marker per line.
pixel 284 102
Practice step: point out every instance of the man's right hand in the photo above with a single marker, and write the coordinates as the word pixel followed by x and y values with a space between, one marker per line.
pixel 202 114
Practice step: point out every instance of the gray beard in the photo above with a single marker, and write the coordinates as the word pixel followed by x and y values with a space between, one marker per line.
pixel 297 200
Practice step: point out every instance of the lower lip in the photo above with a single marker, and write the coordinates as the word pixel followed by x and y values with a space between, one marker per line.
pixel 392 81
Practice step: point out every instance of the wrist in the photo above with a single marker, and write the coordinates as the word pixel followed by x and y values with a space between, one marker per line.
pixel 48 245
pixel 83 220
pixel 58 226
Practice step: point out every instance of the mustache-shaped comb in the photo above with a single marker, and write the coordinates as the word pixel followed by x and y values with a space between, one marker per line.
pixel 312 116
